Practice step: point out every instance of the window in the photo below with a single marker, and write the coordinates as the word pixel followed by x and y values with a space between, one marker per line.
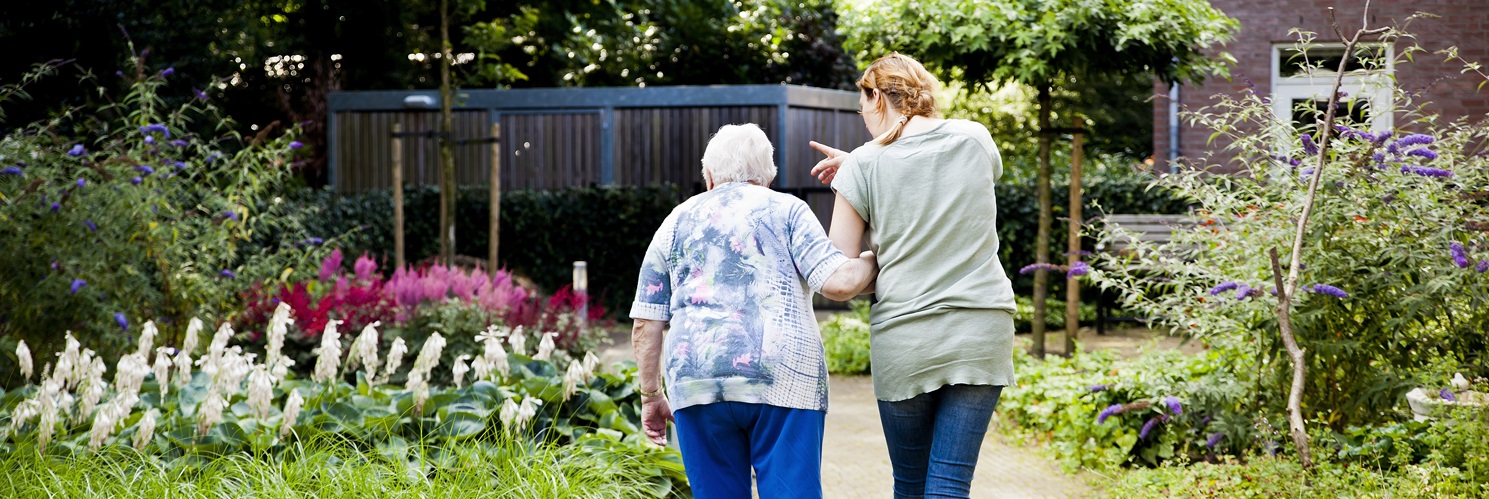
pixel 1302 98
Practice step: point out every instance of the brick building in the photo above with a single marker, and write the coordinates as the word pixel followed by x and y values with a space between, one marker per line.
pixel 1265 57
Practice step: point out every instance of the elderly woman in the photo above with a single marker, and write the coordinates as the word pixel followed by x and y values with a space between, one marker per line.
pixel 733 270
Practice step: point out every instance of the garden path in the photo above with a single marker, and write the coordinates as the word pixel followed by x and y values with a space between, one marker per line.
pixel 855 462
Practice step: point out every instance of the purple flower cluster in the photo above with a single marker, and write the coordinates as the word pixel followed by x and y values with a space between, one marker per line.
pixel 1423 153
pixel 178 143
pixel 1031 268
pixel 1173 405
pixel 296 144
pixel 121 320
pixel 1483 266
pixel 150 140
pixel 91 226
pixel 12 170
pixel 82 183
pixel 1415 139
pixel 228 274
pixel 78 284
pixel 1460 257
pixel 155 128
pixel 1447 395
pixel 1214 439
pixel 1243 292
pixel 199 94
pixel 136 181
pixel 144 169
pixel 167 71
pixel 231 215
pixel 1148 428
pixel 1223 287
pixel 1327 289
pixel 1427 171
pixel 1097 388
pixel 1078 269
pixel 77 150
pixel 1111 410
pixel 1284 159
pixel 1309 147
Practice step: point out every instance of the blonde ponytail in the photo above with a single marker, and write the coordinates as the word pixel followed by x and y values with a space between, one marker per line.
pixel 903 84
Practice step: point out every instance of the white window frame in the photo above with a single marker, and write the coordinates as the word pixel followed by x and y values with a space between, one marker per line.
pixel 1376 87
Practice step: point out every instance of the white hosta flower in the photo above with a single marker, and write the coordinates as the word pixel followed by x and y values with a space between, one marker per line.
pixel 163 369
pixel 67 362
pixel 278 327
pixel 128 377
pixel 574 377
pixel 328 356
pixel 481 367
pixel 364 350
pixel 183 367
pixel 428 358
pixel 147 338
pixel 395 358
pixel 459 369
pixel 193 333
pixel 146 430
pixel 260 392
pixel 526 412
pixel 23 357
pixel 232 368
pixel 591 362
pixel 518 340
pixel 211 410
pixel 418 386
pixel 104 422
pixel 92 393
pixel 220 339
pixel 545 347
pixel 23 413
pixel 508 415
pixel 291 412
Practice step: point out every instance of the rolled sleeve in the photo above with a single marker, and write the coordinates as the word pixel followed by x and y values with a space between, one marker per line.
pixel 654 284
pixel 850 182
pixel 811 250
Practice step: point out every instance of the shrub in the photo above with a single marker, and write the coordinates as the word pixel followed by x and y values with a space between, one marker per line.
pixel 846 339
pixel 1054 318
pixel 1393 289
pixel 1267 477
pixel 132 216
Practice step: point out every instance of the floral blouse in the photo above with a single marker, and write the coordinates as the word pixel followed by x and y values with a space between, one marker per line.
pixel 733 270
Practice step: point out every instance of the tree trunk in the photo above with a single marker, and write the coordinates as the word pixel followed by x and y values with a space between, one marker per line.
pixel 446 142
pixel 1073 245
pixel 1042 244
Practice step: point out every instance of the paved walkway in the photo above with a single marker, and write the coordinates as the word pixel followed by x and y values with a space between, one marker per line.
pixel 855 461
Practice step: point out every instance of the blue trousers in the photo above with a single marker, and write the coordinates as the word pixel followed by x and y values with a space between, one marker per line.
pixel 934 439
pixel 721 441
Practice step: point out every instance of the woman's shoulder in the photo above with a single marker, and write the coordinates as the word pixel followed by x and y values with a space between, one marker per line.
pixel 973 130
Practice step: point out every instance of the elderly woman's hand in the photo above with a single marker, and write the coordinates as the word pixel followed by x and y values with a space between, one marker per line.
pixel 827 169
pixel 655 413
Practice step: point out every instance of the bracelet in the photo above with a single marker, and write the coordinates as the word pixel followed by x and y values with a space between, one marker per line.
pixel 652 393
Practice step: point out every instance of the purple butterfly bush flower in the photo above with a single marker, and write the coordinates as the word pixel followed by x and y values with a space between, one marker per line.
pixel 137 180
pixel 150 140
pixel 228 274
pixel 1223 287
pixel 1304 174
pixel 199 94
pixel 1031 268
pixel 296 144
pixel 1078 269
pixel 1309 147
pixel 178 143
pixel 1214 439
pixel 168 71
pixel 155 128
pixel 1483 266
pixel 1460 257
pixel 1108 412
pixel 144 169
pixel 179 165
pixel 1415 139
pixel 56 207
pixel 1422 152
pixel 1148 428
pixel 1328 290
pixel 123 322
pixel 231 215
pixel 78 284
pixel 1447 395
pixel 1427 171
pixel 1173 405
pixel 82 183
pixel 1097 388
pixel 12 170
pixel 91 226
pixel 213 157
pixel 77 150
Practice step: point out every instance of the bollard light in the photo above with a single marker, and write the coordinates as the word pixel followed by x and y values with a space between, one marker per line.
pixel 581 288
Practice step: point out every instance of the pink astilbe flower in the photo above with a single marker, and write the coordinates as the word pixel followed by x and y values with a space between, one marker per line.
pixel 331 265
pixel 365 268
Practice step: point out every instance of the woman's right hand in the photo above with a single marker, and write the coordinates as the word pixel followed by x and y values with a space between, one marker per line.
pixel 827 169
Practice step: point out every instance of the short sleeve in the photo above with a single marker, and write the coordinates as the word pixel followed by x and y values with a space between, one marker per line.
pixel 852 184
pixel 812 252
pixel 654 284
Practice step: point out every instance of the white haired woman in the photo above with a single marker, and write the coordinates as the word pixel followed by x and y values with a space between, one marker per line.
pixel 733 270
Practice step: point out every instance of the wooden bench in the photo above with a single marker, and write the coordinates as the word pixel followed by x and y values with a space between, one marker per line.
pixel 1152 229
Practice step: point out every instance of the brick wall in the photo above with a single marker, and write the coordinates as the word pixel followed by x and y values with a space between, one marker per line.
pixel 1462 23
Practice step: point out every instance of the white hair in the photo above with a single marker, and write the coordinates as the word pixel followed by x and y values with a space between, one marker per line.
pixel 740 153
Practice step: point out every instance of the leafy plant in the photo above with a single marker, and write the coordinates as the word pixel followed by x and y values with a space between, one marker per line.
pixel 846 339
pixel 134 217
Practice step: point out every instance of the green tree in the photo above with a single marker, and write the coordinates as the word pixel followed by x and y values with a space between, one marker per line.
pixel 1046 44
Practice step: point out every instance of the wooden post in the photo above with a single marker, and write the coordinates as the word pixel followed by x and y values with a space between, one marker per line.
pixel 581 288
pixel 1042 239
pixel 1073 284
pixel 397 140
pixel 494 236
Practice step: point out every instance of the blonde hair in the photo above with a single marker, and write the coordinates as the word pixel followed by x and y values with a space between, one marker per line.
pixel 740 153
pixel 904 84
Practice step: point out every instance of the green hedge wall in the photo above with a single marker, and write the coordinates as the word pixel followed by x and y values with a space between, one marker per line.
pixel 544 232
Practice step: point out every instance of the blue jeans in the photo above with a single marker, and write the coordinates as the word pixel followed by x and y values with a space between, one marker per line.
pixel 934 439
pixel 722 440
